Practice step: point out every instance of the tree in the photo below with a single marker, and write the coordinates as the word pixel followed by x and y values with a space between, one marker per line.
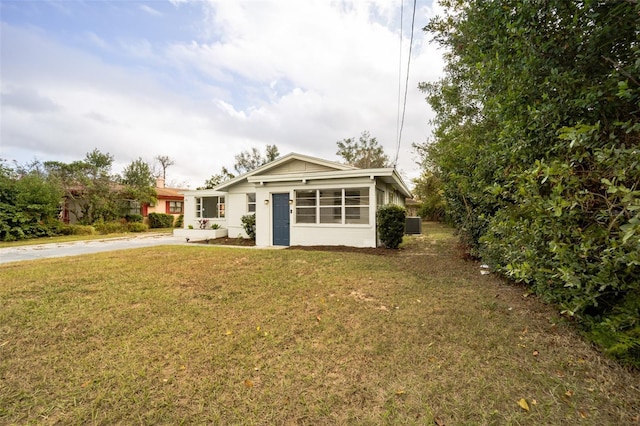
pixel 536 141
pixel 29 203
pixel 247 161
pixel 428 191
pixel 363 153
pixel 164 162
pixel 217 179
pixel 89 184
pixel 139 181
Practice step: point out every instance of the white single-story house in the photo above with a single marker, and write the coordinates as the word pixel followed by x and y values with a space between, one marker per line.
pixel 299 200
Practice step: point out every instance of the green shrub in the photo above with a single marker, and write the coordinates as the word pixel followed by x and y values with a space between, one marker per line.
pixel 538 156
pixel 137 227
pixel 77 230
pixel 249 225
pixel 215 226
pixel 160 220
pixel 618 331
pixel 134 218
pixel 179 221
pixel 391 220
pixel 111 227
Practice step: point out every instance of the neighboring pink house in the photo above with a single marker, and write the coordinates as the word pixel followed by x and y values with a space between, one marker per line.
pixel 169 201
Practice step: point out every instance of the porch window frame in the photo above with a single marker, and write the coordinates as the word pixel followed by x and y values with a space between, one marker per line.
pixel 325 208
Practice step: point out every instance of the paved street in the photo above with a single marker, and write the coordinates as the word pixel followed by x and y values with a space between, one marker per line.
pixel 41 251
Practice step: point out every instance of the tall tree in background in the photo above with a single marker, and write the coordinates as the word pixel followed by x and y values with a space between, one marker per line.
pixel 252 159
pixel 536 143
pixel 427 190
pixel 363 153
pixel 165 162
pixel 246 161
pixel 217 179
pixel 139 181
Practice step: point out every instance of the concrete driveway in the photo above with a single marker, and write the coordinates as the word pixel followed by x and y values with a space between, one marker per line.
pixel 42 251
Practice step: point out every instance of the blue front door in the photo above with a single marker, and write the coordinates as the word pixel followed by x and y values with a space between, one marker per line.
pixel 281 219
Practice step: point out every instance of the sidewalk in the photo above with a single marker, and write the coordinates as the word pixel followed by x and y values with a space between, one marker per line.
pixel 42 251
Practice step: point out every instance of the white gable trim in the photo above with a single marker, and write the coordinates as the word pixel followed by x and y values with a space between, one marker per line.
pixel 279 161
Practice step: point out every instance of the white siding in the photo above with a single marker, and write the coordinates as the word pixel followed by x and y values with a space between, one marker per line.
pixel 237 207
pixel 315 234
pixel 190 217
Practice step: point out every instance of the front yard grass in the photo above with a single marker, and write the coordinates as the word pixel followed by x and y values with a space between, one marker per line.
pixel 195 334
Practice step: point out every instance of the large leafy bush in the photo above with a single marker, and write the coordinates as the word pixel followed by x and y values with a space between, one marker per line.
pixel 29 204
pixel 160 220
pixel 537 144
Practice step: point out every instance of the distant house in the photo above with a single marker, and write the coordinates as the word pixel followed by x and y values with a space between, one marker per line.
pixel 412 207
pixel 74 206
pixel 299 200
pixel 169 201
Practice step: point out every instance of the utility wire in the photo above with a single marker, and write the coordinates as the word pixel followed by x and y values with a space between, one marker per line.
pixel 406 85
pixel 399 77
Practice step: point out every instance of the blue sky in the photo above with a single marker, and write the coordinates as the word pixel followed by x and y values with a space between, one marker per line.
pixel 200 81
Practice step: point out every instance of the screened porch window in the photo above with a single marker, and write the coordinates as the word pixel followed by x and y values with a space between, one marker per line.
pixel 356 206
pixel 306 206
pixel 333 206
pixel 210 207
pixel 330 205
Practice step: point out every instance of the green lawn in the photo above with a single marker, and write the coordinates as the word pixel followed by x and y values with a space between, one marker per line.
pixel 216 335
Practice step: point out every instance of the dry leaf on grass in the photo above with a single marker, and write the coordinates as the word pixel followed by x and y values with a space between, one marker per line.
pixel 523 404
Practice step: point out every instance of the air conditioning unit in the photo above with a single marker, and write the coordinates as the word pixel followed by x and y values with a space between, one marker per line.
pixel 413 225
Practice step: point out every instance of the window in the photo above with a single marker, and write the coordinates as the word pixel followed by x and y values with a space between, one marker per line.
pixel 380 197
pixel 330 205
pixel 210 207
pixel 134 207
pixel 337 206
pixel 356 205
pixel 175 207
pixel 306 206
pixel 251 202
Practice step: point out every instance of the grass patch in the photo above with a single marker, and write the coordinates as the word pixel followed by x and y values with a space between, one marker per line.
pixel 187 334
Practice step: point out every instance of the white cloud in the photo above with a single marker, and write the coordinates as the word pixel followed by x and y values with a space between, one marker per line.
pixel 301 75
pixel 149 10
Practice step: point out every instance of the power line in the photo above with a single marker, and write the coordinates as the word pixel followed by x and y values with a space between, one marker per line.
pixel 406 85
pixel 399 76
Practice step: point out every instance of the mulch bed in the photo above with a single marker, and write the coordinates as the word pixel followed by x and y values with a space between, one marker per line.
pixel 245 242
pixel 379 251
pixel 226 241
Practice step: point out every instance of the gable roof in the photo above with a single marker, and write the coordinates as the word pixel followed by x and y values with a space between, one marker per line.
pixel 279 162
pixel 332 170
pixel 169 192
